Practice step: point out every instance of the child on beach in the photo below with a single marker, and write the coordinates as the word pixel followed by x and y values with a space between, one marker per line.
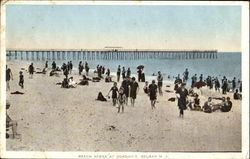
pixel 114 90
pixel 121 99
pixel 145 88
pixel 21 79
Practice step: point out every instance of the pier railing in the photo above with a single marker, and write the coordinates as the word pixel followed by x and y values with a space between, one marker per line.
pixel 110 54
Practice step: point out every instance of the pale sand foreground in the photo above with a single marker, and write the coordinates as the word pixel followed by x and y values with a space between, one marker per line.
pixel 51 118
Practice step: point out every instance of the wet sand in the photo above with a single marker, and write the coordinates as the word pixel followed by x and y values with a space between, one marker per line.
pixel 51 118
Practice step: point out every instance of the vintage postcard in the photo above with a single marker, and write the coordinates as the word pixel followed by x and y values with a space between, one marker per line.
pixel 131 79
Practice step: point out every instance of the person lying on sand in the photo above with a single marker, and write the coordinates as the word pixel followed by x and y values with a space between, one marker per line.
pixel 11 124
pixel 108 79
pixel 218 106
pixel 65 83
pixel 17 92
pixel 96 79
pixel 100 97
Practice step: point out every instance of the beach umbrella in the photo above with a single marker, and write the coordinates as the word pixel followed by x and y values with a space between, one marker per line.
pixel 199 84
pixel 140 67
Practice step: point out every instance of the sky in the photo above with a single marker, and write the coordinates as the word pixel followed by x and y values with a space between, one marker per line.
pixel 127 26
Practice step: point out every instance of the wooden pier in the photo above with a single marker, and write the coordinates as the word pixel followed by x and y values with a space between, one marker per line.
pixel 110 54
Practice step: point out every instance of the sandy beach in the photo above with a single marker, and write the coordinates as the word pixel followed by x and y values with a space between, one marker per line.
pixel 51 118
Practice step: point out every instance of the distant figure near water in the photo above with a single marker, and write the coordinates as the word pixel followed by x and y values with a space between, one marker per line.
pixel 21 79
pixel 160 82
pixel 118 73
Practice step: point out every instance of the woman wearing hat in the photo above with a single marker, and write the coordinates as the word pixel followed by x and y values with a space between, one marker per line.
pixel 182 94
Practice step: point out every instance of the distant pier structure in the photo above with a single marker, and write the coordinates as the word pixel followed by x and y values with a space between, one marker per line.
pixel 109 53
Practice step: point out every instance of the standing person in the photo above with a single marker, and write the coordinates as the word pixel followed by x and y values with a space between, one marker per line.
pixel 80 67
pixel 123 73
pixel 139 74
pixel 224 85
pixel 31 70
pixel 201 78
pixel 114 90
pixel 152 93
pixel 46 65
pixel 53 65
pixel 66 72
pixel 128 73
pixel 194 80
pixel 160 82
pixel 143 76
pixel 21 79
pixel 70 67
pixel 134 88
pixel 182 94
pixel 217 85
pixel 108 72
pixel 87 69
pixel 125 85
pixel 118 73
pixel 8 77
pixel 234 84
pixel 185 75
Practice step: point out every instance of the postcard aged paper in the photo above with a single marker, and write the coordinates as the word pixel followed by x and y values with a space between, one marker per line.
pixel 134 79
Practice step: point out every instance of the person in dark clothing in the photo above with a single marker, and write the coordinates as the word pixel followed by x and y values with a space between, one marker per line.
pixel 177 82
pixel 185 75
pixel 207 108
pixel 152 93
pixel 233 84
pixel 118 73
pixel 80 67
pixel 182 94
pixel 227 106
pixel 237 95
pixel 160 82
pixel 46 64
pixel 145 88
pixel 8 77
pixel 201 78
pixel 217 84
pixel 194 80
pixel 114 90
pixel 125 85
pixel 21 79
pixel 70 67
pixel 66 72
pixel 87 69
pixel 53 65
pixel 142 76
pixel 134 88
pixel 108 72
pixel 123 73
pixel 224 86
pixel 103 70
pixel 31 70
pixel 139 74
pixel 100 97
pixel 128 73
pixel 65 83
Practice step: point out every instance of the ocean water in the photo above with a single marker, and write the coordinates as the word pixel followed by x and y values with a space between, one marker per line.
pixel 227 64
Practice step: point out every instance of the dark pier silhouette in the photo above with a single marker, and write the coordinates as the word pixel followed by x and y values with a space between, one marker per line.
pixel 110 54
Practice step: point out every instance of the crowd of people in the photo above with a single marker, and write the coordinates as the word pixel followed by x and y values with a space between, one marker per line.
pixel 129 87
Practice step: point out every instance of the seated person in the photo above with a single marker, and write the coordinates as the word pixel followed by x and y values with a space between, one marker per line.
pixel 108 79
pixel 195 104
pixel 237 95
pixel 100 97
pixel 11 123
pixel 207 108
pixel 72 83
pixel 65 83
pixel 227 106
pixel 219 105
pixel 191 92
pixel 145 88
pixel 84 81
